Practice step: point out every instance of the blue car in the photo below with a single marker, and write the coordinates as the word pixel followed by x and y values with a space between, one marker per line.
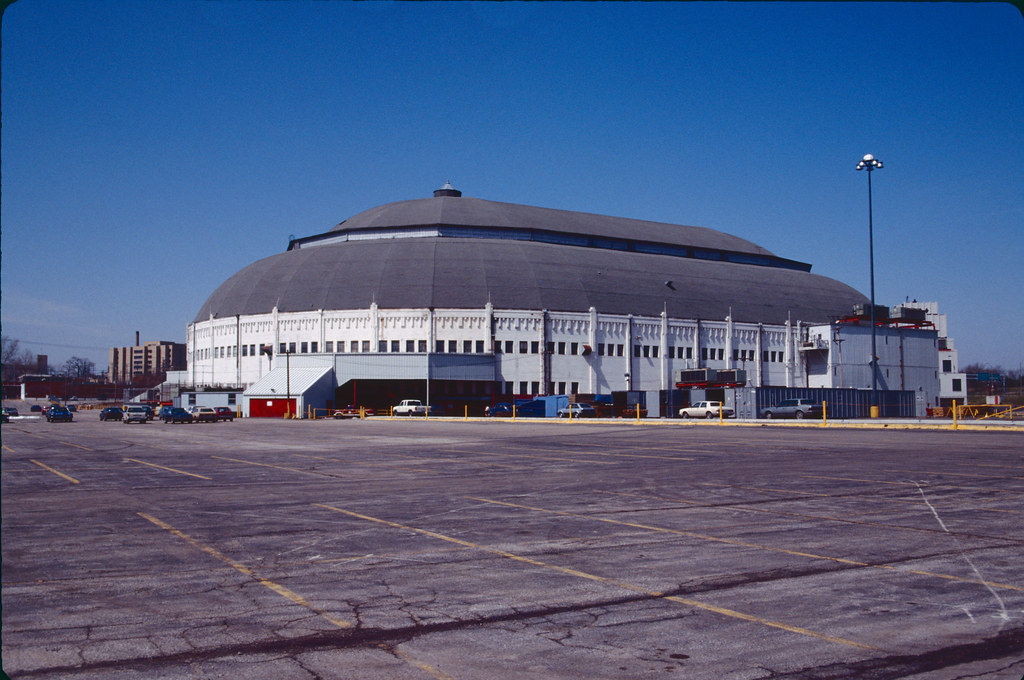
pixel 176 415
pixel 59 414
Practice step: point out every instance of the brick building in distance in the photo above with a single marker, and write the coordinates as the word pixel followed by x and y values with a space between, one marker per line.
pixel 154 358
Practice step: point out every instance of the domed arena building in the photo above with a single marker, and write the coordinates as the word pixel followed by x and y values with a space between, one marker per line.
pixel 465 302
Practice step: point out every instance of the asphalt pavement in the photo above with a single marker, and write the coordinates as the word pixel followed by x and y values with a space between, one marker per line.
pixel 531 550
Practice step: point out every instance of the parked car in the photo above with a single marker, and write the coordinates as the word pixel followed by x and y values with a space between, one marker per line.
pixel 706 409
pixel 59 414
pixel 794 408
pixel 35 408
pixel 577 411
pixel 175 414
pixel 535 408
pixel 224 413
pixel 10 411
pixel 351 411
pixel 72 408
pixel 136 414
pixel 111 413
pixel 502 410
pixel 164 412
pixel 203 414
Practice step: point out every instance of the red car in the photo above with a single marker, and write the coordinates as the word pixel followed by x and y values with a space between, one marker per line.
pixel 225 413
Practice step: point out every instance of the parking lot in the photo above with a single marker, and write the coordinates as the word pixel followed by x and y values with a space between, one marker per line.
pixel 494 549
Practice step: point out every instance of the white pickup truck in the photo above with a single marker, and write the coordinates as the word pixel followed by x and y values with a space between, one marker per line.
pixel 410 407
pixel 705 409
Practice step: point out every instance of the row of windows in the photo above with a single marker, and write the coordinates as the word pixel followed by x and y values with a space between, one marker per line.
pixel 477 346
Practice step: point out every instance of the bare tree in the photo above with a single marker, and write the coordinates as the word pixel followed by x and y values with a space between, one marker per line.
pixel 78 367
pixel 16 360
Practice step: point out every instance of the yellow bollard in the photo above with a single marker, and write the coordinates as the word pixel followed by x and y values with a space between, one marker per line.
pixel 721 414
pixel 467 411
pixel 513 410
pixel 824 414
pixel 954 415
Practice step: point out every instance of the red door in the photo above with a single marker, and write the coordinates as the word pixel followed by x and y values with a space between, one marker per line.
pixel 270 408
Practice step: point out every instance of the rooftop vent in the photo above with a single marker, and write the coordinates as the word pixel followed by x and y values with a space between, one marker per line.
pixel 447 190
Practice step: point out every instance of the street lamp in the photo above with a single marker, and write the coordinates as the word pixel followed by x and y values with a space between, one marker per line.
pixel 870 163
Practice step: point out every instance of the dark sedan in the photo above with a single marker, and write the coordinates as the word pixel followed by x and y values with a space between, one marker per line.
pixel 502 410
pixel 59 414
pixel 111 413
pixel 177 415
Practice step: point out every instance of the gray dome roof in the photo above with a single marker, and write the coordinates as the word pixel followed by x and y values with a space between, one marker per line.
pixel 489 265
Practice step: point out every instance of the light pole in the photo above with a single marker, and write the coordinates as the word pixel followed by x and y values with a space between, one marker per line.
pixel 870 163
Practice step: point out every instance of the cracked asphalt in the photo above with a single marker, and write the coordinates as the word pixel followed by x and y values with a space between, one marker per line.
pixel 529 550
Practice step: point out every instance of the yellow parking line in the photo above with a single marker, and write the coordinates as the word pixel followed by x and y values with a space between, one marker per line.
pixel 288 594
pixel 241 568
pixel 77 446
pixel 7 448
pixel 169 469
pixel 739 507
pixel 602 579
pixel 59 474
pixel 744 544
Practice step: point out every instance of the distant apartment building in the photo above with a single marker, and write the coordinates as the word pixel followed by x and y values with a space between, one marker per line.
pixel 153 358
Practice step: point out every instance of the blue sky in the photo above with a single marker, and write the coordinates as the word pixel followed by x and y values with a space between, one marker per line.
pixel 152 149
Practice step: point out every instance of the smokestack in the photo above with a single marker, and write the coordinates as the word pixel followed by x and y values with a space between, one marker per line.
pixel 136 338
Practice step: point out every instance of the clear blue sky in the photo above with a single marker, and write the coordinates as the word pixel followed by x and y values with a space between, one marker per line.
pixel 152 149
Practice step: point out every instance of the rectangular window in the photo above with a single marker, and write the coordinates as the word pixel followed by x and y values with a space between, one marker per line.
pixel 479 346
pixel 192 399
pixel 689 352
pixel 440 347
pixel 561 348
pixel 522 387
pixel 551 388
pixel 508 387
pixel 957 385
pixel 721 354
pixel 561 388
pixel 654 351
pixel 304 347
pixel 395 345
pixel 329 345
pixel 382 345
pixel 735 355
pixel 353 346
pixel 534 387
pixel 467 346
pixel 672 352
pixel 421 345
pixel 619 349
pixel 245 350
pixel 535 347
pixel 366 345
pixel 600 349
pixel 231 398
pixel 575 388
pixel 636 350
pixel 341 345
pixel 453 346
pixel 291 347
pixel 646 350
pixel 947 366
pixel 252 350
pixel 522 347
pixel 509 347
pixel 764 356
pixel 410 345
pixel 550 346
pixel 574 348
pixel 704 353
pixel 313 347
